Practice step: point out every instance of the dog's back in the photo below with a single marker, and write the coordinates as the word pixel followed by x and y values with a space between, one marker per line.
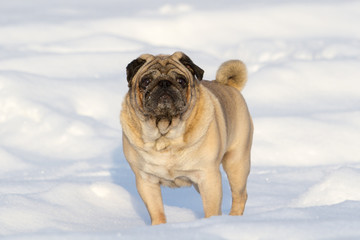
pixel 230 80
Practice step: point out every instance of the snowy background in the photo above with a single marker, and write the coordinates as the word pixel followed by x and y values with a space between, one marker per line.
pixel 62 81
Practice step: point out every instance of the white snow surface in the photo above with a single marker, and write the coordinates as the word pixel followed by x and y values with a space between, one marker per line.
pixel 62 81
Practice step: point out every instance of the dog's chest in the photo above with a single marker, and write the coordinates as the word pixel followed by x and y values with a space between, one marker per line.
pixel 164 152
pixel 172 166
pixel 166 157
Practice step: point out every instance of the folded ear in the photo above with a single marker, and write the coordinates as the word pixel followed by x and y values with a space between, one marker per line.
pixel 132 69
pixel 193 68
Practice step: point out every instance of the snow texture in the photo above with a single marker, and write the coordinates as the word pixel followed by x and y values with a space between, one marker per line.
pixel 62 81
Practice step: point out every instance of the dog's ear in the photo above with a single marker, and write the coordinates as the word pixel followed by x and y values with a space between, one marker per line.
pixel 132 69
pixel 193 68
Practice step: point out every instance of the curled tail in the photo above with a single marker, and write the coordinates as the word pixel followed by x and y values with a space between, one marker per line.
pixel 232 73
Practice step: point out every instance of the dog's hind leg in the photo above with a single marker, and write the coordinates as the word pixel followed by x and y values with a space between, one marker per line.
pixel 237 168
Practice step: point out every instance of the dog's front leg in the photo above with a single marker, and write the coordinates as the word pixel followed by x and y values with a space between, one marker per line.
pixel 211 192
pixel 151 195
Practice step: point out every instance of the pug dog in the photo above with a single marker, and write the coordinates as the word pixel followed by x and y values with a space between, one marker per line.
pixel 178 129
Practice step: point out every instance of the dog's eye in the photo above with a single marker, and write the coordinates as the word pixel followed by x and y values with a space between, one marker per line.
pixel 145 82
pixel 182 81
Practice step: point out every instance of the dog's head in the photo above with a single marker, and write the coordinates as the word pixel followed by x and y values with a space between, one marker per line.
pixel 162 86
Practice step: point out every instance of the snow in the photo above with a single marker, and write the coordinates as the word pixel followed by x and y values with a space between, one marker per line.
pixel 62 81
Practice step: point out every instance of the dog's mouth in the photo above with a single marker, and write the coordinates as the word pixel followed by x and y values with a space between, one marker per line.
pixel 164 102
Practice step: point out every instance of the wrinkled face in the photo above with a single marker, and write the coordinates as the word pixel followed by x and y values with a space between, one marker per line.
pixel 165 90
pixel 163 85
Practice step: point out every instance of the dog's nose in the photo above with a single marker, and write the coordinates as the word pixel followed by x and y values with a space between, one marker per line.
pixel 164 83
